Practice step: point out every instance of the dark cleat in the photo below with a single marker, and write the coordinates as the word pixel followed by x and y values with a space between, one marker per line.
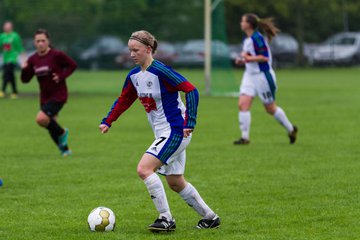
pixel 209 223
pixel 242 141
pixel 162 225
pixel 293 135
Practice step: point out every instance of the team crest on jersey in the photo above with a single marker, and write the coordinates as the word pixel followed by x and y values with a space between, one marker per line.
pixel 148 102
pixel 42 71
pixel 149 84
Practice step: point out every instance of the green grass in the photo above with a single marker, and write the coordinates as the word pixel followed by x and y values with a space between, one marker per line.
pixel 267 190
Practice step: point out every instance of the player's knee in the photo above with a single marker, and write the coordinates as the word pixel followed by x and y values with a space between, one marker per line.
pixel 176 184
pixel 143 172
pixel 243 106
pixel 270 109
pixel 42 121
pixel 176 187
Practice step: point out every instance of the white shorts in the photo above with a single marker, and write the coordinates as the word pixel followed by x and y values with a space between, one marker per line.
pixel 262 84
pixel 170 149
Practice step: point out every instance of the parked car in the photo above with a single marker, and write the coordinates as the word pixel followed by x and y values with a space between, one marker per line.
pixel 340 49
pixel 77 48
pixel 309 49
pixel 165 53
pixel 235 51
pixel 192 53
pixel 284 49
pixel 101 53
pixel 29 46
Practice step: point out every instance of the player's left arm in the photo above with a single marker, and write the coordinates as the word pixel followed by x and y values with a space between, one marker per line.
pixel 192 103
pixel 179 83
pixel 68 66
pixel 1 43
pixel 18 46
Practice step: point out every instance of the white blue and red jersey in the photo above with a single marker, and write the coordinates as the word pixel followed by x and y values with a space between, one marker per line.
pixel 158 91
pixel 259 77
pixel 257 45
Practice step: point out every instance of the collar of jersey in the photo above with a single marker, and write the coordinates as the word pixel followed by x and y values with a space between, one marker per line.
pixel 147 68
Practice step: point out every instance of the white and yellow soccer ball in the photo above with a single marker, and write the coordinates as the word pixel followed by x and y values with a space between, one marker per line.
pixel 101 219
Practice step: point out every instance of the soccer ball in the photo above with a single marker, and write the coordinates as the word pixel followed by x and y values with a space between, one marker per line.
pixel 101 219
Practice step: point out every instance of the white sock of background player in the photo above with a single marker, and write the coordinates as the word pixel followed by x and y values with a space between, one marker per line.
pixel 245 121
pixel 281 117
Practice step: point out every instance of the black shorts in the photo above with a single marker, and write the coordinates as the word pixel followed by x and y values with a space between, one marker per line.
pixel 52 108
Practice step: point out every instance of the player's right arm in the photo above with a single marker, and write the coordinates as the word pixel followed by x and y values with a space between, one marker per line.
pixel 126 99
pixel 27 71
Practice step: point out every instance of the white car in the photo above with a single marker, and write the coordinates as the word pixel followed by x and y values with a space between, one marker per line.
pixel 341 49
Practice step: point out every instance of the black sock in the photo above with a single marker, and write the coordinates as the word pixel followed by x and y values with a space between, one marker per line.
pixel 55 130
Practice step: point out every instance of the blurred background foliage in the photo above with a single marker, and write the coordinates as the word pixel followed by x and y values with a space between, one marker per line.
pixel 173 20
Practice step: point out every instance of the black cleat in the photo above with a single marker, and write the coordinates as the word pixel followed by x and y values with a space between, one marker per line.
pixel 242 141
pixel 293 135
pixel 209 223
pixel 162 225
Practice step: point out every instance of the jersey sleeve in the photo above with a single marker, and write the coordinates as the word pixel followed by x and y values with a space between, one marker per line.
pixel 192 102
pixel 260 45
pixel 68 65
pixel 126 99
pixel 176 82
pixel 18 44
pixel 28 72
pixel 1 43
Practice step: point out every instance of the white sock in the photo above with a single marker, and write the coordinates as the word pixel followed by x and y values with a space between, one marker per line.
pixel 281 117
pixel 245 120
pixel 194 200
pixel 157 193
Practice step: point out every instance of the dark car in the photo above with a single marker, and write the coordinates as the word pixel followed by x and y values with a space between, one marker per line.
pixel 100 54
pixel 284 49
pixel 165 53
pixel 192 54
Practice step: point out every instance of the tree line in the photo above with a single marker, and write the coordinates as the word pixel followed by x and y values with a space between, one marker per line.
pixel 176 20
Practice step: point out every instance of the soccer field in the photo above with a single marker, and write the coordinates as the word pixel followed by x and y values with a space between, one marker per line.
pixel 267 190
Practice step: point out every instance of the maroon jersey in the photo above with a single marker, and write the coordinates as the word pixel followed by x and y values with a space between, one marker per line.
pixel 44 67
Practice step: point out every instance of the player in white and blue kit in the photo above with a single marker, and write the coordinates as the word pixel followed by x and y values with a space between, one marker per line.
pixel 259 77
pixel 158 88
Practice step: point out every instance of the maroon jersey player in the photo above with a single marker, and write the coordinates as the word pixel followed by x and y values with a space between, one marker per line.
pixel 51 68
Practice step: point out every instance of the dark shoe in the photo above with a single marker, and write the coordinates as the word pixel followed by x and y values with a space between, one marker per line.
pixel 242 141
pixel 162 225
pixel 293 135
pixel 209 223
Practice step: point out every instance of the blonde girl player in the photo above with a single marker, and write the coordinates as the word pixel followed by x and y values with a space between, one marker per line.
pixel 259 77
pixel 157 87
